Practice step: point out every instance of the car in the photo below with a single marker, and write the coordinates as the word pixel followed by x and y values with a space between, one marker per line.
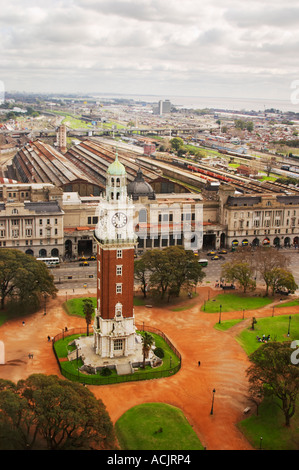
pixel 222 252
pixel 211 253
pixel 282 292
pixel 216 257
pixel 92 258
pixel 227 286
pixel 84 263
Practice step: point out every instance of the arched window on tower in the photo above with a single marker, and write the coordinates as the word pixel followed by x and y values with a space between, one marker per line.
pixel 118 310
pixel 117 182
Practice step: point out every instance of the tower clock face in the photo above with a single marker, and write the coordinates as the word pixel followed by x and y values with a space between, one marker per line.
pixel 119 219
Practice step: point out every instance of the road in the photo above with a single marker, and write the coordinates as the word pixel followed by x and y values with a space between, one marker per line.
pixel 71 276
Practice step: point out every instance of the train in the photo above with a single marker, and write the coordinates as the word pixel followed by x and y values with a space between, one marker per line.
pixel 292 169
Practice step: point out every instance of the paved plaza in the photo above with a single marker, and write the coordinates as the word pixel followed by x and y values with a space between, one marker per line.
pixel 223 364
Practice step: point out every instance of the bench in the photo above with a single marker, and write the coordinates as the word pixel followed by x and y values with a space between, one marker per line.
pixel 246 410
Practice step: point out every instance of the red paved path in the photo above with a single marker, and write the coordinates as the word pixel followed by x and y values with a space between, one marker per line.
pixel 223 366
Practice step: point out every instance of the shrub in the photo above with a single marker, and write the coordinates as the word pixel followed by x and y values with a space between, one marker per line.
pixel 159 352
pixel 105 372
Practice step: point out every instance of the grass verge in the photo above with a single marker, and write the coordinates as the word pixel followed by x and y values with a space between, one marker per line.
pixel 269 425
pixel 234 302
pixel 156 426
pixel 276 327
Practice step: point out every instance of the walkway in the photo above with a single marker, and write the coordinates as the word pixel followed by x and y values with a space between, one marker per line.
pixel 223 366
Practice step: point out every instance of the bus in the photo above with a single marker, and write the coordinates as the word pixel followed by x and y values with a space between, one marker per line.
pixel 49 261
pixel 203 262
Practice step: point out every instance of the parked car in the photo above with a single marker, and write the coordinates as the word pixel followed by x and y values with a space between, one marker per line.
pixel 222 252
pixel 227 286
pixel 215 258
pixel 282 292
pixel 211 253
pixel 84 263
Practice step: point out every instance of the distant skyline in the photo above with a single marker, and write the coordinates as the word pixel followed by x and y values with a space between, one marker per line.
pixel 216 48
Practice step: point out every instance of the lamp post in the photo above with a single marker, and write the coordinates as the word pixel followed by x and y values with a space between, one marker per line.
pixel 273 311
pixel 220 307
pixel 290 318
pixel 243 313
pixel 261 440
pixel 212 407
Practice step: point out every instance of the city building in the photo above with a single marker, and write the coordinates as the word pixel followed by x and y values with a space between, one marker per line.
pixel 163 107
pixel 267 219
pixel 31 219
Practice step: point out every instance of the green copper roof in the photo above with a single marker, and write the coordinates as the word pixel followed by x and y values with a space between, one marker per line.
pixel 116 168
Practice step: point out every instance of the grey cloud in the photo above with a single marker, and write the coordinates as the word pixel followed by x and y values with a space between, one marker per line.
pixel 277 17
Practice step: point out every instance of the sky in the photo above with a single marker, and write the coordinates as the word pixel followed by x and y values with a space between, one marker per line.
pixel 219 48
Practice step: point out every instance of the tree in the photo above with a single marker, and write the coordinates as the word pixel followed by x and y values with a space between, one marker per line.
pixel 282 279
pixel 176 143
pixel 46 412
pixel 273 373
pixel 140 272
pixel 267 259
pixel 24 278
pixel 147 342
pixel 241 272
pixel 185 269
pixel 171 269
pixel 270 162
pixel 88 310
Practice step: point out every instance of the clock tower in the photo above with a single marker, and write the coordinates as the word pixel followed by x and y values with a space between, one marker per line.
pixel 114 325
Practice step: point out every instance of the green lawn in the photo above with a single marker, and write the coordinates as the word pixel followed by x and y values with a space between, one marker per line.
pixel 270 425
pixel 75 306
pixel 156 426
pixel 234 302
pixel 223 326
pixel 291 303
pixel 277 327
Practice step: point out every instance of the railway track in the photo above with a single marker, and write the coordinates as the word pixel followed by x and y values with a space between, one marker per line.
pixel 211 174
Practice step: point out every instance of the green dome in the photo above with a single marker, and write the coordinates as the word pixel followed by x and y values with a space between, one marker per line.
pixel 116 168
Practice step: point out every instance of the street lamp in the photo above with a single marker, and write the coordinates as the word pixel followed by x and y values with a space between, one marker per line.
pixel 220 307
pixel 212 408
pixel 243 313
pixel 289 325
pixel 273 311
pixel 261 440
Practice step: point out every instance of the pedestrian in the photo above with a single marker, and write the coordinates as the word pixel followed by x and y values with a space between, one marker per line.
pixel 199 363
pixel 23 323
pixel 49 338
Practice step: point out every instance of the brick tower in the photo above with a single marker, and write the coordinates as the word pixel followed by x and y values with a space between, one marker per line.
pixel 114 325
